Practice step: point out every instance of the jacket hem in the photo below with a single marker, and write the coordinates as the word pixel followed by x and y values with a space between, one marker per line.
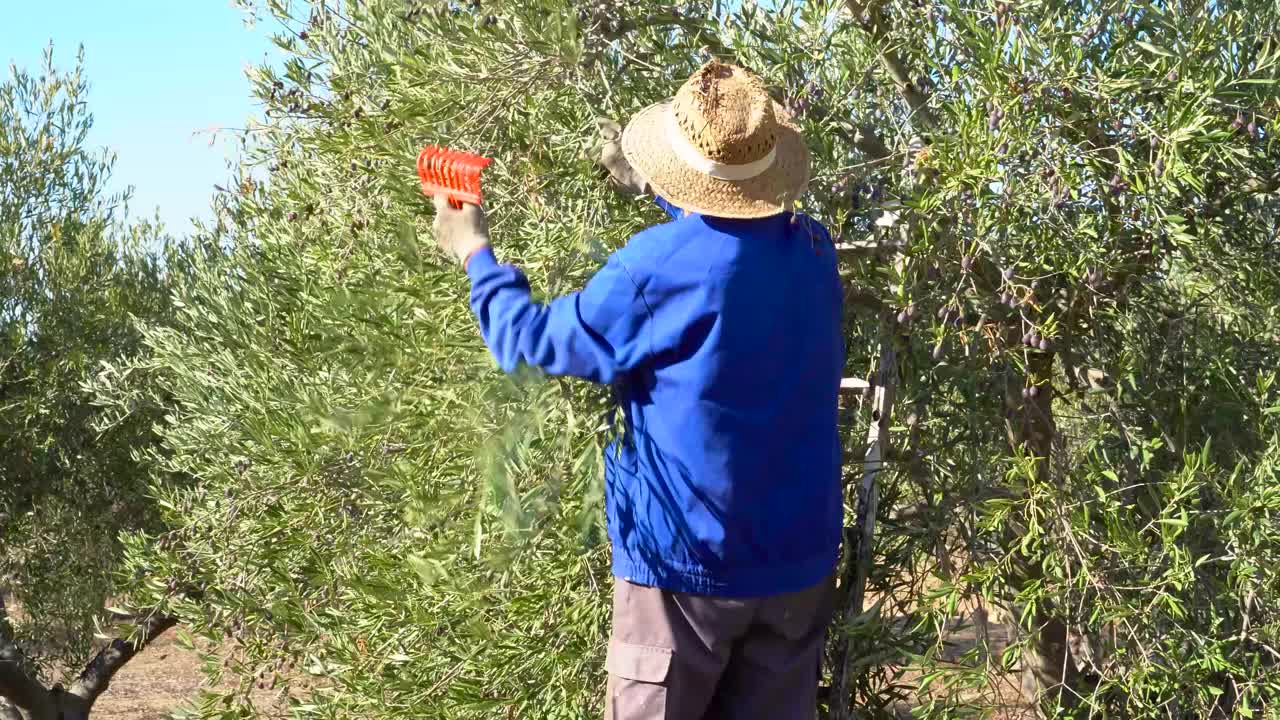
pixel 755 582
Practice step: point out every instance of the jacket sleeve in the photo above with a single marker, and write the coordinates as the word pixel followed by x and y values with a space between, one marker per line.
pixel 596 333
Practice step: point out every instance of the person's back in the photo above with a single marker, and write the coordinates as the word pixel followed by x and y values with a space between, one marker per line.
pixel 729 471
pixel 720 332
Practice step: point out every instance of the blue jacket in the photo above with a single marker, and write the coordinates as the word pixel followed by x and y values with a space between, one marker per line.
pixel 722 339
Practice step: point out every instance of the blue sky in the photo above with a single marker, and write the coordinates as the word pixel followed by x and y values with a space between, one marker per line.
pixel 159 71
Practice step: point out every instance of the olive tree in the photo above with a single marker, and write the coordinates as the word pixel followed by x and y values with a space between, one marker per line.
pixel 1087 204
pixel 1056 224
pixel 74 281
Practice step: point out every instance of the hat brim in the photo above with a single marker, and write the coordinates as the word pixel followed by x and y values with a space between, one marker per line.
pixel 646 145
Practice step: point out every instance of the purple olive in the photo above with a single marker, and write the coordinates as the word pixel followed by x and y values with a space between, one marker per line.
pixel 292 216
pixel 1252 129
pixel 1043 344
pixel 1159 167
pixel 903 318
pixel 1238 123
pixel 1026 393
pixel 1026 338
pixel 1005 298
pixel 938 352
pixel 966 263
pixel 1007 274
pixel 1003 149
pixel 1033 391
pixel 1172 76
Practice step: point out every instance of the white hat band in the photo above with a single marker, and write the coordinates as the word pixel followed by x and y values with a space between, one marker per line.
pixel 693 157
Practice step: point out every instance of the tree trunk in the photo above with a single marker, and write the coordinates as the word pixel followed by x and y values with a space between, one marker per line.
pixel 1048 672
pixel 23 697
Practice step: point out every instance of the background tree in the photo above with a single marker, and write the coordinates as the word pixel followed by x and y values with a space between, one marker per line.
pixel 73 281
pixel 1056 219
pixel 1069 197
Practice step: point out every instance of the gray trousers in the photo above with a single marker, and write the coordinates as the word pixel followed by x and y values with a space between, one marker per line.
pixel 675 656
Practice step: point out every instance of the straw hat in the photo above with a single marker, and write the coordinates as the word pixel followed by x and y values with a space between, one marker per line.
pixel 720 147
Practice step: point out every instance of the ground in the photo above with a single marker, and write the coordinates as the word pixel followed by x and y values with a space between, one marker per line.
pixel 153 684
pixel 163 676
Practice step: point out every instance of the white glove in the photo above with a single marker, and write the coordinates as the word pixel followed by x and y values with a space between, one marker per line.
pixel 460 232
pixel 625 177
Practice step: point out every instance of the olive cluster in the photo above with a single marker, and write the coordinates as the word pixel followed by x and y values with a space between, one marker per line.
pixel 995 116
pixel 846 190
pixel 604 20
pixel 415 10
pixel 292 99
pixel 1251 128
pixel 1033 340
pixel 806 99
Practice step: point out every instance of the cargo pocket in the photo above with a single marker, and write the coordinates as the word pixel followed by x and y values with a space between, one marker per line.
pixel 637 681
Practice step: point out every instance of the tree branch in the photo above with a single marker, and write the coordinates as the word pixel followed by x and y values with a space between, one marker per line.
pixel 868 143
pixel 862 299
pixel 872 21
pixel 1254 187
pixel 96 676
pixel 19 688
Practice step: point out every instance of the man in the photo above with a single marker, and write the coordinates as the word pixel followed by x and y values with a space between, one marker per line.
pixel 721 334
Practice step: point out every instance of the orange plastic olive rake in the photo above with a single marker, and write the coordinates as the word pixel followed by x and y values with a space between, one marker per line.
pixel 453 173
